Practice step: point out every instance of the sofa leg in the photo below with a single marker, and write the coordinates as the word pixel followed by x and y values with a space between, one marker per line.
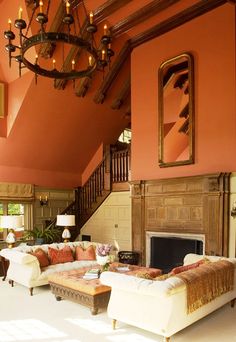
pixel 113 324
pixel 166 339
pixel 11 282
pixel 232 302
pixel 31 291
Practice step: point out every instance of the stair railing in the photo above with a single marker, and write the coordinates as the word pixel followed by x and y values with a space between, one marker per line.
pixel 114 168
pixel 120 166
pixel 94 187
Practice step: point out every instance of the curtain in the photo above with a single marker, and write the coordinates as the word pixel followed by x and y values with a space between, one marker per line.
pixel 14 191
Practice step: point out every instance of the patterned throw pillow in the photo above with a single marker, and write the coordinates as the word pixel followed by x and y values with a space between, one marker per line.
pixel 60 256
pixel 85 254
pixel 41 256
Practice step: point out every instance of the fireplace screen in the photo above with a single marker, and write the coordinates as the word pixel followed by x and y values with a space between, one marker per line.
pixel 169 252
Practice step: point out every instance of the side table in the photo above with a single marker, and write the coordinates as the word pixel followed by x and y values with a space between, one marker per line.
pixel 5 264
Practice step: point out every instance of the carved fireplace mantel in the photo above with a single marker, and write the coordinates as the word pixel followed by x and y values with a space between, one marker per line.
pixel 189 205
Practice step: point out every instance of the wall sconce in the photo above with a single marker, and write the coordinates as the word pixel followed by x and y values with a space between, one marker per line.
pixel 233 210
pixel 43 201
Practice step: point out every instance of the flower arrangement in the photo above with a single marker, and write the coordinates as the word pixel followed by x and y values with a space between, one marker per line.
pixel 103 249
pixel 102 255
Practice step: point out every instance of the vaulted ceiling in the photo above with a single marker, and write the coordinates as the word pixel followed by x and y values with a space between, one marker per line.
pixel 58 126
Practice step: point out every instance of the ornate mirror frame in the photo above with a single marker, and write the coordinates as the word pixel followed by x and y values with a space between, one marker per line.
pixel 176 119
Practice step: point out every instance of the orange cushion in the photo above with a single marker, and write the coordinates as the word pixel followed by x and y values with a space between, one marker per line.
pixel 41 256
pixel 85 254
pixel 60 256
pixel 184 268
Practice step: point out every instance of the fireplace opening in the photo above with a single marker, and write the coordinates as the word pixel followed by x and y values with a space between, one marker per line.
pixel 168 252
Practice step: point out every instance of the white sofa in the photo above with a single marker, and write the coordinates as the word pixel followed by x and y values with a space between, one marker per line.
pixel 24 268
pixel 158 306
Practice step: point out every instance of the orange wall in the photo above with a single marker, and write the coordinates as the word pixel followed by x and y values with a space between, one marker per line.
pixel 60 180
pixel 211 40
pixel 94 162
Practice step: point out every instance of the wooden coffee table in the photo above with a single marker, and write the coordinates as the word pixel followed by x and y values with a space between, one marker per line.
pixel 91 293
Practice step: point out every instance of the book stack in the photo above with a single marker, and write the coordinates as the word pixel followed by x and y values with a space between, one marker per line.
pixel 93 273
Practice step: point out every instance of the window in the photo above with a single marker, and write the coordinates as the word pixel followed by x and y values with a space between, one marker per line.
pixel 125 136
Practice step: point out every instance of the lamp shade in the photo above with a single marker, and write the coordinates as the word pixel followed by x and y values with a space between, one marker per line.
pixel 66 220
pixel 11 221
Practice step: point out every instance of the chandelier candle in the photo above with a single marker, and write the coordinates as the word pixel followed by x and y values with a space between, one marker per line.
pixel 67 7
pixel 20 13
pixel 40 6
pixel 91 17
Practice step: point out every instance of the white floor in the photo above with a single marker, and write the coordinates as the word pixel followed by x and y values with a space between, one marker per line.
pixel 42 318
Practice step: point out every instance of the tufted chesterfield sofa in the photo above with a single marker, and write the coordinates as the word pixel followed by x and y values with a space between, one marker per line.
pixel 24 268
pixel 158 306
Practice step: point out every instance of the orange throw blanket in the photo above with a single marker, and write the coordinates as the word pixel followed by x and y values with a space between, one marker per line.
pixel 207 282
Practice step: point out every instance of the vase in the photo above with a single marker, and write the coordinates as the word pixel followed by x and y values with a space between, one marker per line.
pixel 103 261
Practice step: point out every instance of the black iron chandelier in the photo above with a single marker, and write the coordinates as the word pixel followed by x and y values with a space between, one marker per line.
pixel 72 33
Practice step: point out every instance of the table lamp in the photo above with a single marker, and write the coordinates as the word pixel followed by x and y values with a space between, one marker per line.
pixel 66 221
pixel 11 222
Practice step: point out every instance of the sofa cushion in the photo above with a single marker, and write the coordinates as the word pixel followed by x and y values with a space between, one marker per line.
pixel 85 254
pixel 60 256
pixel 184 268
pixel 41 256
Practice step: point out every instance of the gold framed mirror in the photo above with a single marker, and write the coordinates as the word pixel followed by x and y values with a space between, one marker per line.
pixel 176 111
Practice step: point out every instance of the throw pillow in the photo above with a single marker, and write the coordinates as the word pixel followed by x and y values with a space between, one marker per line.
pixel 41 256
pixel 184 268
pixel 60 256
pixel 85 254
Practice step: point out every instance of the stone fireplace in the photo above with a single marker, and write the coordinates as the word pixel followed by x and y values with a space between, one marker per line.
pixel 192 207
pixel 167 250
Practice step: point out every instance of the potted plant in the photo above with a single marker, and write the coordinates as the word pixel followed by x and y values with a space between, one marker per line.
pixel 40 236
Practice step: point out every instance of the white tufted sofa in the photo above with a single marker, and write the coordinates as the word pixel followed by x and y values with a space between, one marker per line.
pixel 158 306
pixel 24 268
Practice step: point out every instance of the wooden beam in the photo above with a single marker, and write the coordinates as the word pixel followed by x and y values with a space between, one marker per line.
pixel 116 66
pixel 83 86
pixel 176 20
pixel 163 27
pixel 123 94
pixel 108 8
pixel 140 15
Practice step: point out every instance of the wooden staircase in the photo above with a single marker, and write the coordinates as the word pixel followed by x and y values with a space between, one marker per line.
pixel 110 173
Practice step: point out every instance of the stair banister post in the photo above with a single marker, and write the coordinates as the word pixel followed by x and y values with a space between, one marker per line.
pixel 107 176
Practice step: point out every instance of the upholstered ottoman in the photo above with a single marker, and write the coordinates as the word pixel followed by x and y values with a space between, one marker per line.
pixel 71 285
